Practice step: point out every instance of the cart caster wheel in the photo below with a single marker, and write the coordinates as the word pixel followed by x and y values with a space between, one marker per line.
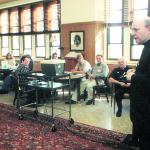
pixel 71 121
pixel 53 129
pixel 20 117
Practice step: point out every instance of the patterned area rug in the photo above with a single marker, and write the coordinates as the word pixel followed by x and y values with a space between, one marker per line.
pixel 35 133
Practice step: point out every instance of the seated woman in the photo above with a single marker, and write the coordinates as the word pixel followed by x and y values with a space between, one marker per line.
pixel 11 63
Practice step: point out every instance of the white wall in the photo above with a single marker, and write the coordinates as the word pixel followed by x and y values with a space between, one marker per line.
pixel 99 10
pixel 74 11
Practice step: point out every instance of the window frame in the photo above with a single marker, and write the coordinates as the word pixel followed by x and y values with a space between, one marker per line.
pixel 37 46
pixel 23 18
pixel 32 32
pixel 115 24
pixel 11 17
pixel 18 45
pixel 2 46
pixel 108 39
pixel 24 48
pixel 51 51
pixel 32 6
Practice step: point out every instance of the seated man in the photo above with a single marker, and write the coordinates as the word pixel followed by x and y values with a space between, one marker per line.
pixel 24 65
pixel 118 78
pixel 22 68
pixel 82 67
pixel 30 63
pixel 99 69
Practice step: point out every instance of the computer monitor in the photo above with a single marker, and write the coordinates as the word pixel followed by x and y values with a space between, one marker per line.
pixel 53 67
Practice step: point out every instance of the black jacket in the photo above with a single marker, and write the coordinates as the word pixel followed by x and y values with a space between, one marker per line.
pixel 141 80
pixel 140 93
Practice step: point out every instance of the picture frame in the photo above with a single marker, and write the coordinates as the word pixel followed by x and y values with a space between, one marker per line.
pixel 77 40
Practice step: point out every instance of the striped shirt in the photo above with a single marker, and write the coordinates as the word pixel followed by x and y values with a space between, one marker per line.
pixel 22 69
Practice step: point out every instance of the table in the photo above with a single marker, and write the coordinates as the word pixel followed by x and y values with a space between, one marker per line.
pixel 75 78
pixel 5 72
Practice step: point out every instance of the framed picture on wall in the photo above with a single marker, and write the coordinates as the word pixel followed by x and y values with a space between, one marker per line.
pixel 77 40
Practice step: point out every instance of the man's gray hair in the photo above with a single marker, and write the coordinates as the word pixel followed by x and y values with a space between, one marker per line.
pixel 122 59
pixel 99 55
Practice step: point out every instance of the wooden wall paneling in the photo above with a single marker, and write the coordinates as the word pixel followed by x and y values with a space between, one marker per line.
pixel 89 30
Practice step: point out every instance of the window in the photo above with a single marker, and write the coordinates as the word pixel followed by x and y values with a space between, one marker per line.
pixel 140 10
pixel 115 30
pixel 38 18
pixel 27 44
pixel 40 45
pixel 115 12
pixel 14 21
pixel 52 17
pixel 15 45
pixel 115 44
pixel 26 19
pixel 4 45
pixel 4 21
pixel 55 43
pixel 136 50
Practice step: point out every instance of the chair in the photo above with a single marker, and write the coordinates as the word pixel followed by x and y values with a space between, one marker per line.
pixel 125 96
pixel 1 82
pixel 21 94
pixel 99 88
pixel 16 87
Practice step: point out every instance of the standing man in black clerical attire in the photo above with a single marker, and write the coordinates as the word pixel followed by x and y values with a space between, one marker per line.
pixel 140 86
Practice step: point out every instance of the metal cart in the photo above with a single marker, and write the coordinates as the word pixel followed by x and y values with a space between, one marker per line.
pixel 39 82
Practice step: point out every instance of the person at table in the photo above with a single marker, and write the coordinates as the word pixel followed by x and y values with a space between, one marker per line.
pixel 100 69
pixel 11 63
pixel 54 56
pixel 21 69
pixel 23 66
pixel 118 78
pixel 82 66
pixel 31 62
